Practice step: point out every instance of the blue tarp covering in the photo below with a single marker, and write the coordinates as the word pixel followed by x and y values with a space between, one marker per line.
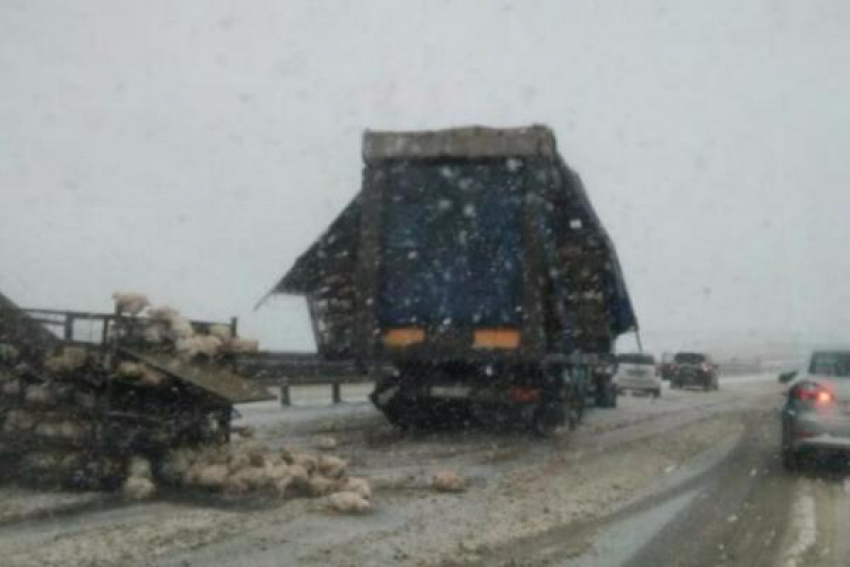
pixel 452 245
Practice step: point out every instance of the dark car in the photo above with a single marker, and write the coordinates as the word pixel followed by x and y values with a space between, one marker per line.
pixel 666 366
pixel 694 369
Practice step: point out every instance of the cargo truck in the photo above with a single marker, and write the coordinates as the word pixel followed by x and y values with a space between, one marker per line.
pixel 472 277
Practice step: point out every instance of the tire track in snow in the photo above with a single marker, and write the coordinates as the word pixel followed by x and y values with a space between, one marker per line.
pixel 803 526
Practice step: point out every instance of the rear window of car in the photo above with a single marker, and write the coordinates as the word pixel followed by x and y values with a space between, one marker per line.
pixel 636 359
pixel 835 364
pixel 690 358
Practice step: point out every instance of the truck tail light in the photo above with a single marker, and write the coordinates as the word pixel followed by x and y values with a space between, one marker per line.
pixel 403 336
pixel 523 395
pixel 496 338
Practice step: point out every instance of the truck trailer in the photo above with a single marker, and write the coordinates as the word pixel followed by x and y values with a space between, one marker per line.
pixel 472 278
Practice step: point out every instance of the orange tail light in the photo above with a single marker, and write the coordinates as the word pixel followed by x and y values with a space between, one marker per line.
pixel 496 338
pixel 403 336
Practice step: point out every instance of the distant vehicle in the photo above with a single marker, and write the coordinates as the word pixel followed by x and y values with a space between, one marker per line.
pixel 638 372
pixel 816 413
pixel 694 369
pixel 666 366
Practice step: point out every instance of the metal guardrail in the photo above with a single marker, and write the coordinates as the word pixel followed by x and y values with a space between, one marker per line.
pixel 304 367
pixel 739 367
pixel 288 369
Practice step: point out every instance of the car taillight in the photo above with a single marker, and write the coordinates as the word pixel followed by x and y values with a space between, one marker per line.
pixel 816 394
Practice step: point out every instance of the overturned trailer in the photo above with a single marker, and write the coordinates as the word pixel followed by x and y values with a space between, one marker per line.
pixel 474 264
pixel 30 340
pixel 75 406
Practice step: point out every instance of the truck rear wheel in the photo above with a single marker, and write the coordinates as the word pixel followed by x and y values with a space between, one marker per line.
pixel 407 410
pixel 606 394
pixel 550 413
pixel 543 428
pixel 395 414
pixel 388 399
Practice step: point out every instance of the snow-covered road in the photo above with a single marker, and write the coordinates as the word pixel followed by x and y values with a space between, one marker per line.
pixel 691 478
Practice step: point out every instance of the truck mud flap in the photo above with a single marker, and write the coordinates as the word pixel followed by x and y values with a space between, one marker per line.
pixel 381 397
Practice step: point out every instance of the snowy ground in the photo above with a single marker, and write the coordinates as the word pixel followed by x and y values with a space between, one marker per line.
pixel 689 479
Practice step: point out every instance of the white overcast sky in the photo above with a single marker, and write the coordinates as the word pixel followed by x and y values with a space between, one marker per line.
pixel 192 150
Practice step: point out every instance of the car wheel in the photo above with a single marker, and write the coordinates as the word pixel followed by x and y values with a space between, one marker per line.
pixel 791 460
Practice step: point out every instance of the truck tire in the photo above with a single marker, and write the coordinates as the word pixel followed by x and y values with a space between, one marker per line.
pixel 557 398
pixel 396 409
pixel 541 426
pixel 396 415
pixel 606 395
pixel 410 414
pixel 574 416
pixel 574 405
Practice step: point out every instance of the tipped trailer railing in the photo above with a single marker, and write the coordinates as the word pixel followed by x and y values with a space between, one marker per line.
pixel 64 393
pixel 63 324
